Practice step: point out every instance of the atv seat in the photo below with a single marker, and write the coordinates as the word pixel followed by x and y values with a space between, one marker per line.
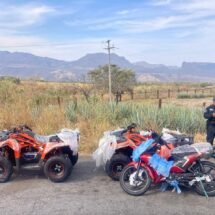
pixel 45 139
pixel 120 139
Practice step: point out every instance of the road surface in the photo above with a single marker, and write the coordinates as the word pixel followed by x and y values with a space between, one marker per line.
pixel 92 192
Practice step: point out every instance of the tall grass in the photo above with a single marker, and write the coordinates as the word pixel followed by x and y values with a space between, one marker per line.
pixel 189 120
pixel 31 103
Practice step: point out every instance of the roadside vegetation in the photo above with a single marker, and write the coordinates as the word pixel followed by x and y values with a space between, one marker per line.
pixel 48 107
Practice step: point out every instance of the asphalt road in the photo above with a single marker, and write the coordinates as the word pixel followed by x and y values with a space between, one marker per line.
pixel 89 191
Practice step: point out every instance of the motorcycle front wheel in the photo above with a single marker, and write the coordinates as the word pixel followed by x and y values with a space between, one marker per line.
pixel 206 168
pixel 132 183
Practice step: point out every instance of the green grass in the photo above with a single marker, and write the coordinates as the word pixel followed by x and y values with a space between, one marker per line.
pixel 147 116
pixel 193 96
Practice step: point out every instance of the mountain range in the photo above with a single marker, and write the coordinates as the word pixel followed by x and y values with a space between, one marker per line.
pixel 25 66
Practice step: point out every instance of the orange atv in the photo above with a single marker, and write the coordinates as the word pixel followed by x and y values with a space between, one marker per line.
pixel 20 148
pixel 126 141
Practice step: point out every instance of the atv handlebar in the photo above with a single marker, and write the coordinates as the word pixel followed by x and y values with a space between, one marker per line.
pixel 6 133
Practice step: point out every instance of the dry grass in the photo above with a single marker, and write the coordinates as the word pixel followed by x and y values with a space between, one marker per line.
pixel 36 104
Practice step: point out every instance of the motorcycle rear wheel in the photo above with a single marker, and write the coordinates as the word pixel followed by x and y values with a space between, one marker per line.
pixel 142 184
pixel 208 168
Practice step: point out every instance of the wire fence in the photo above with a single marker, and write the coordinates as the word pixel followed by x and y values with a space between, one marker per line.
pixel 171 93
pixel 159 95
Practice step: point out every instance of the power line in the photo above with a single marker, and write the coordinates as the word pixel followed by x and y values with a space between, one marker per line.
pixel 109 48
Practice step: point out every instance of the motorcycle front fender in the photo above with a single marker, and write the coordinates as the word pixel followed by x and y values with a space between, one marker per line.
pixel 152 173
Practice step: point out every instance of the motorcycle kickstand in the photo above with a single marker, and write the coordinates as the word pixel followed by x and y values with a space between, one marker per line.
pixel 206 195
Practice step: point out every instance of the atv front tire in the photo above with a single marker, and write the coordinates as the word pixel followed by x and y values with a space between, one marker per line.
pixel 6 169
pixel 115 165
pixel 58 168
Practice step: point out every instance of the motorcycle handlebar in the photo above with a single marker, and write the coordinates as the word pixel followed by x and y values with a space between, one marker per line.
pixel 158 139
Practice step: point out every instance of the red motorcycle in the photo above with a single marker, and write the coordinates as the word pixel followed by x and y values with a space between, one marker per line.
pixel 186 167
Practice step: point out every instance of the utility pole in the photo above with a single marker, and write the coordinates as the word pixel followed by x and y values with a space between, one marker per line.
pixel 109 48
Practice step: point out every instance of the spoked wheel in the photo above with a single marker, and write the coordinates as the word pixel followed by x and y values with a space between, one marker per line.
pixel 57 168
pixel 207 169
pixel 134 184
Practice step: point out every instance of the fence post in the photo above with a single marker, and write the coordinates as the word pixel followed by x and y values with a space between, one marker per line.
pixel 159 103
pixel 145 94
pixel 178 92
pixel 158 94
pixel 168 93
pixel 59 101
pixel 132 94
pixel 37 102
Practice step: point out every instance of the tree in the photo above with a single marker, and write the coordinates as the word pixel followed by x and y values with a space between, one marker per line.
pixel 122 79
pixel 82 88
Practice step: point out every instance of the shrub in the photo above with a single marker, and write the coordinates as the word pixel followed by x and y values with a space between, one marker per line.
pixel 10 79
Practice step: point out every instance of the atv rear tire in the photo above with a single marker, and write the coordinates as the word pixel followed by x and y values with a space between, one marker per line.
pixel 6 169
pixel 74 159
pixel 58 168
pixel 115 165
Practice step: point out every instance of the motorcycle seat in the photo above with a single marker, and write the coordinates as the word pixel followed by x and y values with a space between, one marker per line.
pixel 182 151
pixel 204 148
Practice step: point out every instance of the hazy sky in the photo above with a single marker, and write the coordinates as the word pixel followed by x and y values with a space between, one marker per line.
pixel 156 31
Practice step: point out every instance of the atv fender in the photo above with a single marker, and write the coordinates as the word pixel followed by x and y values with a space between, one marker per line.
pixel 13 144
pixel 50 146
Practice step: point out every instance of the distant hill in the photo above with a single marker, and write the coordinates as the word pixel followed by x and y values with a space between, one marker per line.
pixel 25 65
pixel 97 59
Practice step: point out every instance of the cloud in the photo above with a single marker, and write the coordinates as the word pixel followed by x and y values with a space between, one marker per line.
pixel 161 2
pixel 23 15
pixel 175 21
pixel 123 12
pixel 138 25
pixel 183 31
pixel 68 50
pixel 195 5
pixel 9 41
pixel 181 14
pixel 155 50
pixel 126 12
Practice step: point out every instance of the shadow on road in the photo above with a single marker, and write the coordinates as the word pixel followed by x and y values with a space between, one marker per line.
pixel 82 171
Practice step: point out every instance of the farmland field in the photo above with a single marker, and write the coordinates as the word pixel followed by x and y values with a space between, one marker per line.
pixel 47 107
